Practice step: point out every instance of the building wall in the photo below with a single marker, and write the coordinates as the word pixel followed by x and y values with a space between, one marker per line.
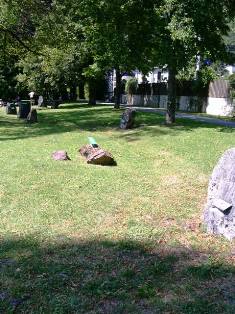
pixel 220 107
pixel 230 69
pixel 210 105
pixel 156 75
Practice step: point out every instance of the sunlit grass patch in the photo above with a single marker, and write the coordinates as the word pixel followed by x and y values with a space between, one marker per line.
pixel 78 238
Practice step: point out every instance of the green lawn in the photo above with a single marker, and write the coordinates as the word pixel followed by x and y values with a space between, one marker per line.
pixel 78 238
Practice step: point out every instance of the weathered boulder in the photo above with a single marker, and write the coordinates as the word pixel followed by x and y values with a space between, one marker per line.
pixel 11 109
pixel 128 119
pixel 32 116
pixel 219 213
pixel 97 156
pixel 60 155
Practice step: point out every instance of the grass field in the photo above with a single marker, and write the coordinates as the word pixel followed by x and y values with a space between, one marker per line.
pixel 78 238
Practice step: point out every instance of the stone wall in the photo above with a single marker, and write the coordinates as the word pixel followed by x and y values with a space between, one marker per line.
pixel 210 105
pixel 212 99
pixel 220 106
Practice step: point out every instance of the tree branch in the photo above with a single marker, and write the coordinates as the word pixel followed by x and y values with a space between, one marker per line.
pixel 20 41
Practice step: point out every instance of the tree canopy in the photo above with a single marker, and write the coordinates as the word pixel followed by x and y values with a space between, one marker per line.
pixel 56 43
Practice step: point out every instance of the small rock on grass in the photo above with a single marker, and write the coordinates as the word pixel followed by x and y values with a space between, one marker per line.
pixel 60 155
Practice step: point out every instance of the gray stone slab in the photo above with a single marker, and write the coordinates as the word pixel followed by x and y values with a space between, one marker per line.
pixel 219 213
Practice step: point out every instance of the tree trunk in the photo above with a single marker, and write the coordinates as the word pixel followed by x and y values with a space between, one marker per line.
pixel 118 89
pixel 73 92
pixel 92 92
pixel 171 93
pixel 81 90
pixel 63 93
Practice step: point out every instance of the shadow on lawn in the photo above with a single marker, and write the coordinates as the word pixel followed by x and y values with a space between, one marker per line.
pixel 111 277
pixel 72 117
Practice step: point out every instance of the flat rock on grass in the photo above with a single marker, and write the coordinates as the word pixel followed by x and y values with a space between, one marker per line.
pixel 97 156
pixel 60 155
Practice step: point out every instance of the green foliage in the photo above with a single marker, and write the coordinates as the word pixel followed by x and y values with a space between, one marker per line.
pixel 95 36
pixel 113 29
pixel 187 73
pixel 95 88
pixel 232 80
pixel 232 84
pixel 131 86
pixel 206 75
pixel 230 38
pixel 189 32
pixel 51 72
pixel 232 94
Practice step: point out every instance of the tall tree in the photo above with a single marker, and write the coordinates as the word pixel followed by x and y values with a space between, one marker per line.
pixel 57 56
pixel 120 35
pixel 18 21
pixel 190 28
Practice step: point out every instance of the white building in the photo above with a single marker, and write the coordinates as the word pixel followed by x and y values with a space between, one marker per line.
pixel 230 69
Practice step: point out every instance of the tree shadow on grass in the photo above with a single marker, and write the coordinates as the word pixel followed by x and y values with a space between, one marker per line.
pixel 59 121
pixel 75 117
pixel 152 124
pixel 72 276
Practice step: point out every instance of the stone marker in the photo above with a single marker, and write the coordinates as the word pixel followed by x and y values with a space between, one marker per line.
pixel 54 104
pixel 97 156
pixel 127 119
pixel 40 101
pixel 60 155
pixel 24 109
pixel 32 116
pixel 219 213
pixel 11 109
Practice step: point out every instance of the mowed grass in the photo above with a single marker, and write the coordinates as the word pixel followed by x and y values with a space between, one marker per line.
pixel 78 238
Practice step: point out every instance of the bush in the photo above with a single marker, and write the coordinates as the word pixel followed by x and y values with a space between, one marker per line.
pixel 131 86
pixel 232 81
pixel 206 75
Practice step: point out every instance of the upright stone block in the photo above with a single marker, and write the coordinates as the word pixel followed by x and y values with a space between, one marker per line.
pixel 24 109
pixel 219 213
pixel 11 109
pixel 128 119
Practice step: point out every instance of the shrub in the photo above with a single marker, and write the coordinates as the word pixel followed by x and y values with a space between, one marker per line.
pixel 131 86
pixel 232 81
pixel 206 75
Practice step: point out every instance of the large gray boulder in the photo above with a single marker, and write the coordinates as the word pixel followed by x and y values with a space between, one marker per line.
pixel 219 213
